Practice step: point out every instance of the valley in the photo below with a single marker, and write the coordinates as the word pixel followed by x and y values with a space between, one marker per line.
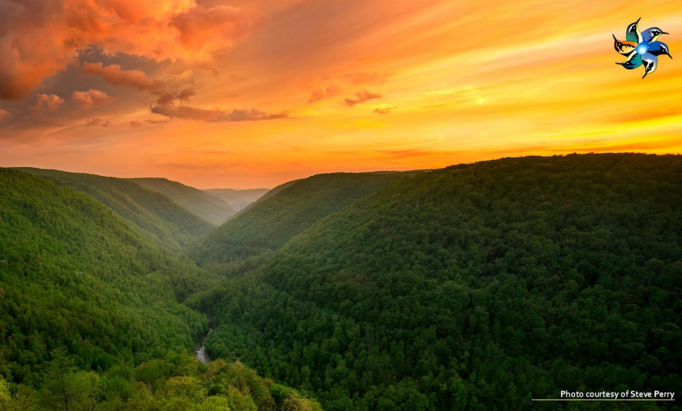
pixel 477 286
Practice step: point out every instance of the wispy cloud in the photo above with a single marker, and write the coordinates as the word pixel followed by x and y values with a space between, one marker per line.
pixel 360 97
pixel 200 114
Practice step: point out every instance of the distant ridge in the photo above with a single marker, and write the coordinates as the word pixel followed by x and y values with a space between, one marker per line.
pixel 287 210
pixel 237 199
pixel 157 215
pixel 210 208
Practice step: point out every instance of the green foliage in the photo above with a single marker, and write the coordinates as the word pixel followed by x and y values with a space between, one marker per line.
pixel 210 208
pixel 473 287
pixel 74 275
pixel 264 227
pixel 182 385
pixel 154 214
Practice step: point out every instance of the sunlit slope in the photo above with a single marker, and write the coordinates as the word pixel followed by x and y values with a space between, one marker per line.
pixel 74 274
pixel 210 208
pixel 161 218
pixel 269 223
pixel 477 286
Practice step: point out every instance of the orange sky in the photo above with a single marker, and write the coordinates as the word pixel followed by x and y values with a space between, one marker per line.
pixel 244 94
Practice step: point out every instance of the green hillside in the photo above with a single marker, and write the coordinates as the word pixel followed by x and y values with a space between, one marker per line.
pixel 475 287
pixel 90 319
pixel 208 207
pixel 237 199
pixel 158 217
pixel 268 224
pixel 73 274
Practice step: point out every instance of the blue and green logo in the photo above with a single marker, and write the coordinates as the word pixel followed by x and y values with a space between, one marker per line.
pixel 641 48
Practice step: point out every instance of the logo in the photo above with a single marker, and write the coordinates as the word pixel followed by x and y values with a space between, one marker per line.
pixel 641 48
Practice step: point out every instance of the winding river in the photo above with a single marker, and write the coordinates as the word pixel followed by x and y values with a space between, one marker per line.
pixel 201 350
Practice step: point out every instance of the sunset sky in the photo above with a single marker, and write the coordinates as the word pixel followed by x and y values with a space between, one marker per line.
pixel 246 94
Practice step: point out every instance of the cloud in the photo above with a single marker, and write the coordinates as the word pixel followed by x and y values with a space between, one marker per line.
pixel 46 103
pixel 212 29
pixel 40 38
pixel 384 110
pixel 128 78
pixel 367 78
pixel 200 114
pixel 97 121
pixel 136 123
pixel 4 115
pixel 323 93
pixel 91 98
pixel 182 95
pixel 362 96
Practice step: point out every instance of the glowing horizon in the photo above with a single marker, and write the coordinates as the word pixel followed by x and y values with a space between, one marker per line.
pixel 251 94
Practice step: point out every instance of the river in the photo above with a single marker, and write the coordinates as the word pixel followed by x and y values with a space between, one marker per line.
pixel 201 350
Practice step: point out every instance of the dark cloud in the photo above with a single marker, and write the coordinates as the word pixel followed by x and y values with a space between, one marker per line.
pixel 182 95
pixel 361 97
pixel 200 114
pixel 4 115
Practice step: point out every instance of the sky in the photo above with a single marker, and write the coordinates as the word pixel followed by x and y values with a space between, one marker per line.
pixel 254 93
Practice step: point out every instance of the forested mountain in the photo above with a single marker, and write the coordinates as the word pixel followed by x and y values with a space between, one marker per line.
pixel 158 217
pixel 208 207
pixel 474 287
pixel 237 199
pixel 73 274
pixel 269 223
pixel 90 316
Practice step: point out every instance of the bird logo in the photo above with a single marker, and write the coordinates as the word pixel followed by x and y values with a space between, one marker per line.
pixel 641 48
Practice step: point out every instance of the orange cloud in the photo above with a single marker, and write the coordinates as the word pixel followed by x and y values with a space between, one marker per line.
pixel 383 110
pixel 97 121
pixel 41 37
pixel 323 93
pixel 91 98
pixel 128 78
pixel 4 114
pixel 46 103
pixel 212 29
pixel 362 96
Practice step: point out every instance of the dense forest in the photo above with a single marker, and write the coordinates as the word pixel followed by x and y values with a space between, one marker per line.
pixel 154 214
pixel 91 314
pixel 208 207
pixel 474 287
pixel 260 230
pixel 175 382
